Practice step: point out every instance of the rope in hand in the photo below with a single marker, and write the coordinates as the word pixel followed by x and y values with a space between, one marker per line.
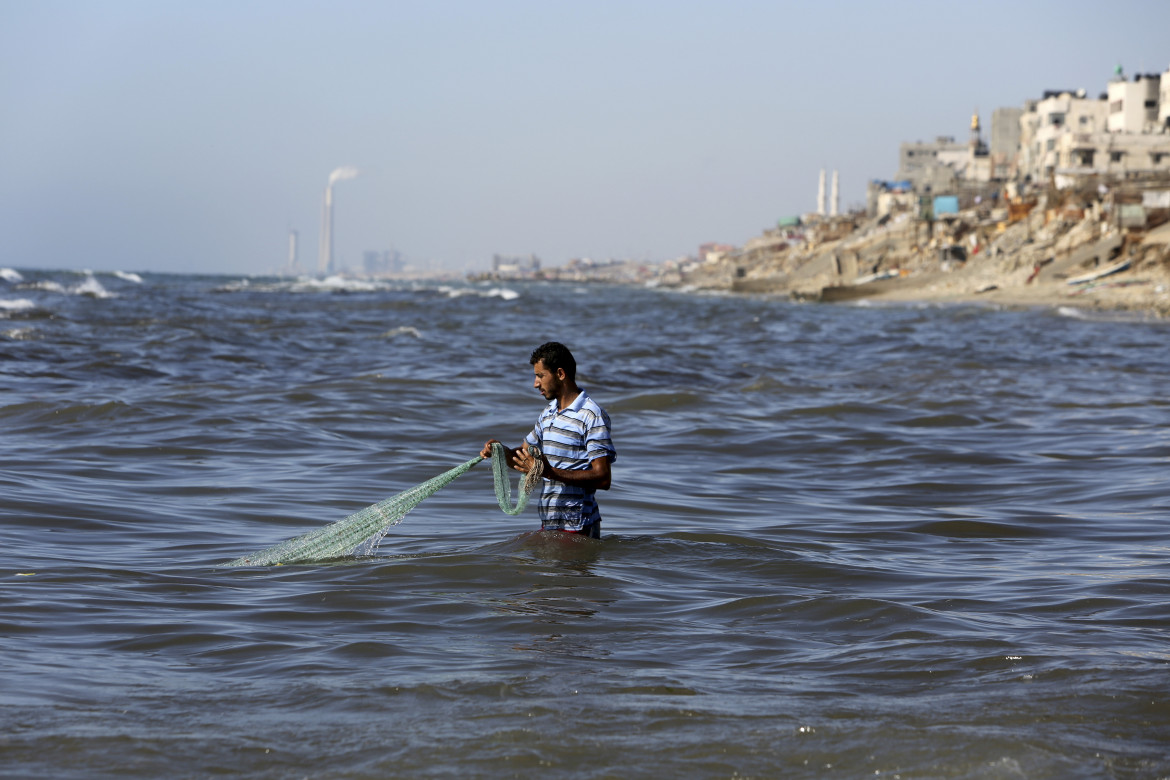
pixel 524 486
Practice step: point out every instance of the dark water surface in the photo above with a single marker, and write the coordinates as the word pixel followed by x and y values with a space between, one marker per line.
pixel 910 542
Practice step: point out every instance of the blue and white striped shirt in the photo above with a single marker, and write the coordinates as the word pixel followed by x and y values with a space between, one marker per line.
pixel 571 439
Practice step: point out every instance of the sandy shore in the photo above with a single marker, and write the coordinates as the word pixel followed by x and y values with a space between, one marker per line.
pixel 1145 290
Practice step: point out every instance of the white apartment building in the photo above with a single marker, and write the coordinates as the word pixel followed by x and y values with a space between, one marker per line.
pixel 1126 132
pixel 1164 102
pixel 1133 105
pixel 1045 122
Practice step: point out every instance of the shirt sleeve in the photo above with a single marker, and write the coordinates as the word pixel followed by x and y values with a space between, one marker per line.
pixel 597 439
pixel 535 436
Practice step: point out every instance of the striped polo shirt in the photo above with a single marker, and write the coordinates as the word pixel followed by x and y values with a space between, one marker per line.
pixel 571 439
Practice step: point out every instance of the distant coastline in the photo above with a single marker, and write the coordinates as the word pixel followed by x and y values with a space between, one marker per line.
pixel 1091 249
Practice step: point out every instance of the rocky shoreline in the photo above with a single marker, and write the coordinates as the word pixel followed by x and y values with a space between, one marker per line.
pixel 1096 247
pixel 1058 249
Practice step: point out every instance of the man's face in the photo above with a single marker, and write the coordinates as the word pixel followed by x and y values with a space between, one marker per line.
pixel 548 383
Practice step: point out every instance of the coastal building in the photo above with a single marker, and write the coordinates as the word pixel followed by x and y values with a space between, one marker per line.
pixel 515 266
pixel 385 263
pixel 1005 141
pixel 1133 105
pixel 887 197
pixel 1046 123
pixel 1164 102
pixel 1110 155
pixel 932 166
pixel 713 252
pixel 937 167
pixel 941 167
pixel 1058 139
pixel 978 165
pixel 1124 133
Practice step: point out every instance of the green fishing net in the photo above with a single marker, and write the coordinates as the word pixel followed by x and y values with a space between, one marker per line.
pixel 360 533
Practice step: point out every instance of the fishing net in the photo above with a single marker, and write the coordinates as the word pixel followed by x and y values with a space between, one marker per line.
pixel 360 533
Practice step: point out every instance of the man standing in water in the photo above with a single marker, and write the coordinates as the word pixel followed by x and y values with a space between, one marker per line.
pixel 573 435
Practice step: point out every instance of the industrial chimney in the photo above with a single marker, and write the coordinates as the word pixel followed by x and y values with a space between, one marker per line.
pixel 325 251
pixel 293 264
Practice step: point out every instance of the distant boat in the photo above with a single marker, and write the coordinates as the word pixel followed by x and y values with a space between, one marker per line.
pixel 1120 265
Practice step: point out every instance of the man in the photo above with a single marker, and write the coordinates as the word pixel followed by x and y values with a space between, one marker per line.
pixel 573 435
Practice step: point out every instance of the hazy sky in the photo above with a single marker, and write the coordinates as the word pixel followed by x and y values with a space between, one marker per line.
pixel 191 136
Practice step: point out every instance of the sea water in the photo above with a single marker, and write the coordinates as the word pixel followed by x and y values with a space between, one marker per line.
pixel 845 541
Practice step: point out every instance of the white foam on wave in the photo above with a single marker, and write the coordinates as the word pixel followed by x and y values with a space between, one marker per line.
pixel 343 284
pixel 18 304
pixel 19 334
pixel 128 276
pixel 402 330
pixel 11 275
pixel 503 293
pixel 90 286
pixel 305 284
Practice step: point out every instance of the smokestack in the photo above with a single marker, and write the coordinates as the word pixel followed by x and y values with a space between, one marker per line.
pixel 325 251
pixel 821 194
pixel 325 248
pixel 834 199
pixel 292 251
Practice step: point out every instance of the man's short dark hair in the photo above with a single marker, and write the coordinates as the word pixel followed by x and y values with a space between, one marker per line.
pixel 555 355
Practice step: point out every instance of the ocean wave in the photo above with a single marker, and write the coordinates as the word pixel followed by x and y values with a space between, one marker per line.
pixel 11 275
pixel 338 284
pixel 305 284
pixel 17 304
pixel 503 293
pixel 402 330
pixel 45 285
pixel 128 276
pixel 18 334
pixel 90 286
pixel 343 284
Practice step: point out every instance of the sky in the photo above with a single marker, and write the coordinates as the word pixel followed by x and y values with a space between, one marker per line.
pixel 151 135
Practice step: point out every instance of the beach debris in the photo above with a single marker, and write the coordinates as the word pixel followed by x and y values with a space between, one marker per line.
pixel 1113 268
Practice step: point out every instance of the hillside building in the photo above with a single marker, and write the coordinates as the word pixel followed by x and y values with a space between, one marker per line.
pixel 1125 133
